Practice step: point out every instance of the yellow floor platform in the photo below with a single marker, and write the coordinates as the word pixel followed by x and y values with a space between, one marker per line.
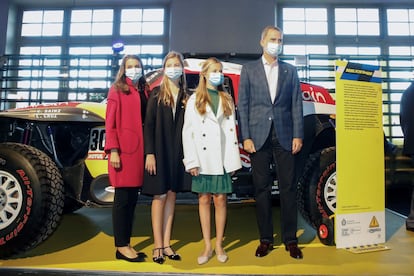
pixel 84 241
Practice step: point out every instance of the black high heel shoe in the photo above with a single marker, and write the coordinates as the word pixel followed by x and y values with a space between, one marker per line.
pixel 174 256
pixel 121 256
pixel 160 258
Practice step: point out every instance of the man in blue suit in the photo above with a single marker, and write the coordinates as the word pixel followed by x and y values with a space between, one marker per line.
pixel 271 124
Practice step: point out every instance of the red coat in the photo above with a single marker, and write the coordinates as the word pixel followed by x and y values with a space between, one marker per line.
pixel 123 130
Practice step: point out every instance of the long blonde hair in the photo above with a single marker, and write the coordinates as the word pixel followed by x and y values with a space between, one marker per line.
pixel 165 95
pixel 202 96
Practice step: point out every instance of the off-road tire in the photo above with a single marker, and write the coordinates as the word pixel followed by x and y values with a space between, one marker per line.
pixel 317 187
pixel 31 198
pixel 302 195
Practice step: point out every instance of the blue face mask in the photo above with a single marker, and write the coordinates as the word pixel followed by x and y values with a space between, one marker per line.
pixel 216 79
pixel 173 73
pixel 134 74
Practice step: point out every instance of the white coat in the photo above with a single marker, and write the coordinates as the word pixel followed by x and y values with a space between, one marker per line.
pixel 209 140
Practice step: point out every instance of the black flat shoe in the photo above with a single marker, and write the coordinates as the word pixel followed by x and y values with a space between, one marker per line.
pixel 160 258
pixel 121 256
pixel 174 256
pixel 142 254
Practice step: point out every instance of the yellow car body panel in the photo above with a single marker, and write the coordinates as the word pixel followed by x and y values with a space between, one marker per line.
pixel 96 162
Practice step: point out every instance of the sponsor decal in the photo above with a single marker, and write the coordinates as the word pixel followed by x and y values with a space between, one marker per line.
pixel 97 156
pixel 317 94
pixel 51 113
pixel 28 209
pixel 49 105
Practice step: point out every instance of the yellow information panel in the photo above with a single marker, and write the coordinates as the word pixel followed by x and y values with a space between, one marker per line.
pixel 360 209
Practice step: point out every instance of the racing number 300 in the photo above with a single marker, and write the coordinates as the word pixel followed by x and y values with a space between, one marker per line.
pixel 97 140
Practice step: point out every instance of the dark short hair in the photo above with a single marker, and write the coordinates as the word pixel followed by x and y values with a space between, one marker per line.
pixel 268 28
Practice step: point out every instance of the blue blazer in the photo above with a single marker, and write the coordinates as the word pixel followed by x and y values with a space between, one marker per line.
pixel 257 112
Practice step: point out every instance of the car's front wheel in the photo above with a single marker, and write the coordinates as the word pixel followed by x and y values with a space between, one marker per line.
pixel 31 198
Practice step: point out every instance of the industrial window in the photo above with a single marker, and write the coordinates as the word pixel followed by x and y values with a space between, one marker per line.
pixel 150 54
pixel 142 22
pixel 156 49
pixel 400 22
pixel 307 21
pixel 400 75
pixel 402 51
pixel 72 67
pixel 95 22
pixel 360 54
pixel 361 50
pixel 89 70
pixel 357 21
pixel 320 75
pixel 42 23
pixel 39 75
pixel 305 49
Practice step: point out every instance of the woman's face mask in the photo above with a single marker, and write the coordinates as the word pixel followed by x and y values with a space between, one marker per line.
pixel 134 74
pixel 216 78
pixel 173 73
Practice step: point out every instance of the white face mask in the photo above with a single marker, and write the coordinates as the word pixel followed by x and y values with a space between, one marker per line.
pixel 216 78
pixel 134 74
pixel 173 73
pixel 273 49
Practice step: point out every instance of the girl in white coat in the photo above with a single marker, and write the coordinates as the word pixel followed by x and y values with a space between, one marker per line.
pixel 211 152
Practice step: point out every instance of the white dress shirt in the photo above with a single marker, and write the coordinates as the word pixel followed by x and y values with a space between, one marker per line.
pixel 272 73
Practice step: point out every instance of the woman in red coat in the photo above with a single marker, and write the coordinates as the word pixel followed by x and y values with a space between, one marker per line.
pixel 124 143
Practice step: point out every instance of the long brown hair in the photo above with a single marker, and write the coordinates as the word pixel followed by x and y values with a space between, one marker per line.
pixel 120 82
pixel 202 96
pixel 165 95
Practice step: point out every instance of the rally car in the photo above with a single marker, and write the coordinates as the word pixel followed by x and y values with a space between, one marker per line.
pixel 52 162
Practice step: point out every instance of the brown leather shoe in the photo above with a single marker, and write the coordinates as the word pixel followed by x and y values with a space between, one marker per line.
pixel 294 251
pixel 263 249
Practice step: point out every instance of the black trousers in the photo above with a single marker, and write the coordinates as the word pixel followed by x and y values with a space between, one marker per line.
pixel 123 209
pixel 263 180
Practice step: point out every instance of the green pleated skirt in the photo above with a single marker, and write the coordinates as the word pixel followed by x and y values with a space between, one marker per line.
pixel 215 184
